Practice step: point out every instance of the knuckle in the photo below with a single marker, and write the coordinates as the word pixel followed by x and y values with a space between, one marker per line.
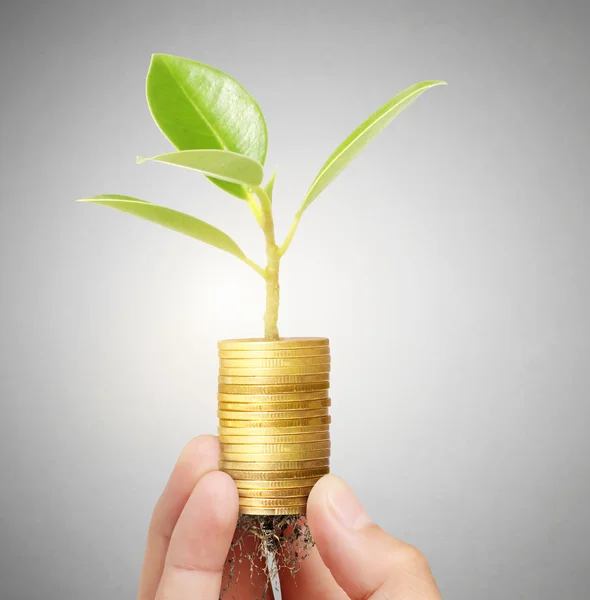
pixel 410 558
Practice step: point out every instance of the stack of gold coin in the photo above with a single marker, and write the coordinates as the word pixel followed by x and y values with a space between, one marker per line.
pixel 274 422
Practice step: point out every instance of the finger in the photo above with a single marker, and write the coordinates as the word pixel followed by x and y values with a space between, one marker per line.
pixel 312 579
pixel 200 541
pixel 363 558
pixel 200 456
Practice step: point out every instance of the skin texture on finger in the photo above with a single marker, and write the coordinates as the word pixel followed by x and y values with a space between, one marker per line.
pixel 365 560
pixel 198 547
pixel 313 580
pixel 200 456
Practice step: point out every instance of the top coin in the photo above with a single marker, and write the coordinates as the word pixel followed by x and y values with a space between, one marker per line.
pixel 276 353
pixel 262 344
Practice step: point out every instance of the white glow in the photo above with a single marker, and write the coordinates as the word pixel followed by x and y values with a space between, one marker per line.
pixel 235 300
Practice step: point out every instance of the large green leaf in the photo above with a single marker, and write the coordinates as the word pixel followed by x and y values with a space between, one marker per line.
pixel 172 219
pixel 361 136
pixel 221 164
pixel 199 107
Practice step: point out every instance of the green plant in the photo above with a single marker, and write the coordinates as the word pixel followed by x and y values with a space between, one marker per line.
pixel 219 130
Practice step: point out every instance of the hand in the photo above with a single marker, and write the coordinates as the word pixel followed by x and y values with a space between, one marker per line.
pixel 195 519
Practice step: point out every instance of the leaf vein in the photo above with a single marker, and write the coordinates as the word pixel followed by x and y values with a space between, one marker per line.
pixel 197 109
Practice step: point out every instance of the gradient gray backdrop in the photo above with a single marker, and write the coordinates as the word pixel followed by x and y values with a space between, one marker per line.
pixel 448 265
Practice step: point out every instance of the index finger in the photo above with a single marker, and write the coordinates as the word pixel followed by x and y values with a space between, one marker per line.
pixel 200 456
pixel 198 548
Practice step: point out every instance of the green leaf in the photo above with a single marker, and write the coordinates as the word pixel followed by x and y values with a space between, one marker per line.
pixel 270 186
pixel 198 107
pixel 172 219
pixel 227 166
pixel 361 137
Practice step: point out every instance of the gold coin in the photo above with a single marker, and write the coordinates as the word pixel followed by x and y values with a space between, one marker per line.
pixel 278 424
pixel 273 379
pixel 275 456
pixel 280 344
pixel 274 363
pixel 283 465
pixel 285 353
pixel 273 389
pixel 289 438
pixel 272 372
pixel 284 510
pixel 270 502
pixel 271 398
pixel 291 406
pixel 275 486
pixel 268 475
pixel 228 449
pixel 273 415
pixel 276 493
pixel 270 431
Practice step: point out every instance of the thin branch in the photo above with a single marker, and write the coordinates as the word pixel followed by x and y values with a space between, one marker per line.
pixel 291 233
pixel 255 266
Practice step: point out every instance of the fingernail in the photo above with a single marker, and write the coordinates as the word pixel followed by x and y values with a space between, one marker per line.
pixel 345 506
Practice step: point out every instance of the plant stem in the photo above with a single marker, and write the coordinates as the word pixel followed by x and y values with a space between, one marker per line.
pixel 273 258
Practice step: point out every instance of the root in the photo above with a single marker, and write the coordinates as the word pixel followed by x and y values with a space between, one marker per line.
pixel 287 537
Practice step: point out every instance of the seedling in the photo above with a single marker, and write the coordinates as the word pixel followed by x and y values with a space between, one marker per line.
pixel 219 131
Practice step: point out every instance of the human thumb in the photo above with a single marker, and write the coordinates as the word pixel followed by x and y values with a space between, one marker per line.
pixel 363 559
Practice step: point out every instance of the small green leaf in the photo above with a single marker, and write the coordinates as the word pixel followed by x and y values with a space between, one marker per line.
pixel 227 166
pixel 361 137
pixel 198 107
pixel 172 219
pixel 270 186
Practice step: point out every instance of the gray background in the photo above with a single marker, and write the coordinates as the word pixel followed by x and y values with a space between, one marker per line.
pixel 448 265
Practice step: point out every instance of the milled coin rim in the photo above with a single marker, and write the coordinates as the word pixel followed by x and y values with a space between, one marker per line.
pixel 276 484
pixel 272 431
pixel 276 475
pixel 278 423
pixel 274 363
pixel 274 371
pixel 280 448
pixel 287 501
pixel 293 437
pixel 294 492
pixel 286 388
pixel 282 465
pixel 294 406
pixel 274 415
pixel 264 344
pixel 287 510
pixel 272 398
pixel 313 456
pixel 273 379
pixel 278 353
